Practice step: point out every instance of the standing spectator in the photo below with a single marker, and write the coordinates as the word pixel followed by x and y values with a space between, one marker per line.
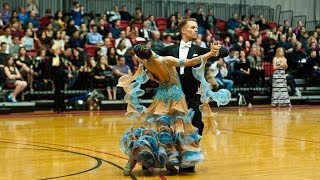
pixel 151 24
pixel 156 44
pixel 280 95
pixel 13 76
pixel 6 13
pixel 33 20
pixel 125 15
pixel 256 67
pixel 116 30
pixel 114 14
pixel 220 72
pixel 6 37
pixel 77 13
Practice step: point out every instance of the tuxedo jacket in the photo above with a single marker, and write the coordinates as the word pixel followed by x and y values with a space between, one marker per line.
pixel 189 84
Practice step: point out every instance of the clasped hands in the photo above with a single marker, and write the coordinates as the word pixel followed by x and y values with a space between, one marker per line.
pixel 215 49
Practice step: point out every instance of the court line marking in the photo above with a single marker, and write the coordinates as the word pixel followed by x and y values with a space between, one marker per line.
pixel 75 147
pixel 63 150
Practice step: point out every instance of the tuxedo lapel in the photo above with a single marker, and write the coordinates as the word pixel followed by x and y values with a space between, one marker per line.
pixel 175 51
pixel 191 52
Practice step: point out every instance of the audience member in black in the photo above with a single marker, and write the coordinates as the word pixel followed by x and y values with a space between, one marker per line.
pixel 125 15
pixel 303 37
pixel 102 74
pixel 200 18
pixel 70 27
pixel 112 56
pixel 239 45
pixel 286 26
pixel 244 23
pixel 312 66
pixel 242 69
pixel 25 66
pixel 75 42
pixel 269 45
pixel 262 22
pixel 3 54
pixel 296 56
pixel 144 31
pixel 102 28
pixel 211 21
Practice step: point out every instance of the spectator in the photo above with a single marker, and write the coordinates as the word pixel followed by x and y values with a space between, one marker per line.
pixel 172 29
pixel 290 34
pixel 120 69
pixel 121 48
pixel 254 33
pixel 125 15
pixel 156 44
pixel 280 95
pixel 49 32
pixel 115 14
pixel 239 45
pixel 242 71
pixel 6 37
pixel 256 67
pixel 211 21
pixel 231 60
pixel 269 46
pixel 103 28
pixel 42 41
pixel 13 76
pixel 3 55
pixel 131 60
pixel 44 21
pixel 123 37
pixel 59 40
pixel 33 20
pixel 116 30
pixel 199 42
pixel 75 42
pixel 285 44
pixel 32 5
pixel 132 32
pixel 252 20
pixel 201 20
pixel 77 13
pixel 103 74
pixel 247 47
pixel 107 44
pixel 112 56
pixel 70 27
pixel 220 72
pixel 25 66
pixel 22 15
pixel 138 16
pixel 6 13
pixel 144 32
pixel 275 34
pixel 16 29
pixel 244 24
pixel 28 40
pixel 59 19
pixel 312 66
pixel 151 24
pixel 286 26
pixel 94 37
pixel 296 30
pixel 83 32
pixel 14 48
pixel 262 22
pixel 226 42
pixel 168 41
pixel 233 26
pixel 297 55
pixel 187 14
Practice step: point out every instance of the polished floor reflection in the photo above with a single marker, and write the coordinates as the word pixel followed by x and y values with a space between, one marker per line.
pixel 256 143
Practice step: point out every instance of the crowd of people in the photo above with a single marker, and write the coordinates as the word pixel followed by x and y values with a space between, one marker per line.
pixel 27 56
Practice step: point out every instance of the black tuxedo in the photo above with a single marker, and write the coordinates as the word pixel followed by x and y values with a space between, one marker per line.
pixel 189 84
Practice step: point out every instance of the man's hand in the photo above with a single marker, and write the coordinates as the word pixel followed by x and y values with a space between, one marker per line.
pixel 215 49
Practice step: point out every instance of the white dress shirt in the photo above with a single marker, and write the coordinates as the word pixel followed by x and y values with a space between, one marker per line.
pixel 183 52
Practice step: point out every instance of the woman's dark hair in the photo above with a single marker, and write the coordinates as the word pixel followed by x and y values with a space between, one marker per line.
pixel 142 51
pixel 6 62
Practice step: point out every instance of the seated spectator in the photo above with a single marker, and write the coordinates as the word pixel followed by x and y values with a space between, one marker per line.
pixel 121 48
pixel 123 37
pixel 239 45
pixel 3 56
pixel 112 56
pixel 107 44
pixel 244 24
pixel 94 37
pixel 138 16
pixel 211 21
pixel 296 30
pixel 59 41
pixel 33 20
pixel 247 47
pixel 116 30
pixel 13 77
pixel 120 69
pixel 286 26
pixel 6 13
pixel 132 32
pixel 84 33
pixel 42 41
pixel 168 41
pixel 231 60
pixel 290 34
pixel 103 74
pixel 25 65
pixel 6 37
pixel 312 66
pixel 75 42
pixel 269 46
pixel 227 43
pixel 125 15
pixel 199 42
pixel 28 40
pixel 303 36
pixel 208 40
pixel 151 24
pixel 114 14
pixel 83 70
pixel 156 44
pixel 262 22
pixel 233 26
pixel 144 32
pixel 44 21
pixel 103 28
pixel 220 72
pixel 285 44
pixel 275 34
pixel 16 29
pixel 172 30
pixel 14 48
pixel 70 27
pixel 131 60
pixel 59 20
pixel 201 20
pixel 296 56
pixel 256 67
pixel 66 58
pixel 254 34
pixel 22 15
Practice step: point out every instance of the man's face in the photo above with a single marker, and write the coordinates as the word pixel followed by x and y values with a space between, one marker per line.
pixel 122 61
pixel 122 34
pixel 190 30
pixel 94 29
pixel 3 48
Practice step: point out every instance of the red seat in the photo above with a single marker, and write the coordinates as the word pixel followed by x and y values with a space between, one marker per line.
pixel 272 24
pixel 221 25
pixel 90 49
pixel 245 35
pixel 124 24
pixel 138 25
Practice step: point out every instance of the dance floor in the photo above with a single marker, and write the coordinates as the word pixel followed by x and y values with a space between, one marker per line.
pixel 258 143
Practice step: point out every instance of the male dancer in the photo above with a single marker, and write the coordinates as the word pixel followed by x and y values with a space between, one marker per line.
pixel 188 29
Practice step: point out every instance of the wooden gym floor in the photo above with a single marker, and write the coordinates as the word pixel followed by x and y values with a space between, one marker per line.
pixel 257 143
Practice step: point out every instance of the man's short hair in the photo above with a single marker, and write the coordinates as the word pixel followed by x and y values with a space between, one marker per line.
pixel 183 22
pixel 3 43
